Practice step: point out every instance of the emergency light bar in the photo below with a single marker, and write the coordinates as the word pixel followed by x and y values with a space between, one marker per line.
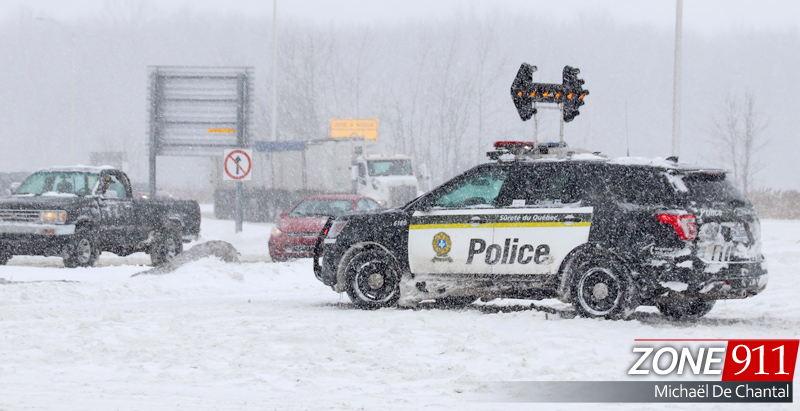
pixel 514 147
pixel 527 149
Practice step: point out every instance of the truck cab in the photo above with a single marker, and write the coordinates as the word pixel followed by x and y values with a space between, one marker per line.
pixel 388 178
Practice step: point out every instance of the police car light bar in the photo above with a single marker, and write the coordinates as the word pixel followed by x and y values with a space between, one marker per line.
pixel 514 147
pixel 521 149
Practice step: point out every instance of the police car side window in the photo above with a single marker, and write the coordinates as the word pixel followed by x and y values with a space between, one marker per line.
pixel 542 186
pixel 479 189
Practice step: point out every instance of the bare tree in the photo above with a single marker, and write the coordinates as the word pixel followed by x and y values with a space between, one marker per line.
pixel 300 113
pixel 489 71
pixel 739 131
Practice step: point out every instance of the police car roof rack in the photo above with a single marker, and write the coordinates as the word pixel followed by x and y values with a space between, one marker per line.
pixel 527 149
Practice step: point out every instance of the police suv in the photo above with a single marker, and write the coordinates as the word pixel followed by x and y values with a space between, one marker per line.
pixel 544 222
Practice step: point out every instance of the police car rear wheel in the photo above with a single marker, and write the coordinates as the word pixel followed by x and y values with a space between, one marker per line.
pixel 373 279
pixel 602 288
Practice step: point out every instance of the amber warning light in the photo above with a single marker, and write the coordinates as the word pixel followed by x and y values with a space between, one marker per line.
pixel 569 94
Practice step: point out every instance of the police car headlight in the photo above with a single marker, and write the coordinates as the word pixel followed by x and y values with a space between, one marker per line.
pixel 336 228
pixel 53 217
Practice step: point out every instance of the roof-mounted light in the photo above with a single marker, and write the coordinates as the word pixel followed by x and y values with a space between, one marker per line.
pixel 514 147
pixel 527 149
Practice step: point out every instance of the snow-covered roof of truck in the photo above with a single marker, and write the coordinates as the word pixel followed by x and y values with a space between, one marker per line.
pixel 80 168
pixel 386 156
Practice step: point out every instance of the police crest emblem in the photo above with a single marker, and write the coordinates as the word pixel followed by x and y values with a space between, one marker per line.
pixel 441 245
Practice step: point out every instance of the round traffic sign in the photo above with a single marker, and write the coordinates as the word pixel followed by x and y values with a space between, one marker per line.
pixel 238 164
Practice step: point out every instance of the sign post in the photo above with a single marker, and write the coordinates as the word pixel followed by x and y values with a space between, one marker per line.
pixel 237 164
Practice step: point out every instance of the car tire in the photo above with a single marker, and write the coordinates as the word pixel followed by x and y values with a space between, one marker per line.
pixel 602 288
pixel 373 279
pixel 4 257
pixel 82 250
pixel 166 245
pixel 685 310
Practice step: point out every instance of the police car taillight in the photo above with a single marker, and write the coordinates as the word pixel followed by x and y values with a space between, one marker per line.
pixel 685 225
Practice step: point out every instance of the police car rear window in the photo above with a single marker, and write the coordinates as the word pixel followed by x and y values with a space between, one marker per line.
pixel 645 187
pixel 711 187
pixel 658 187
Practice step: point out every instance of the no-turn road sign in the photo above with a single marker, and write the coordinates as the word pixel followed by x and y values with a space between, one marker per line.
pixel 237 164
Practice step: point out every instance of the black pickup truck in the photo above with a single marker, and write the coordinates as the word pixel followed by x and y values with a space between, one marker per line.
pixel 79 212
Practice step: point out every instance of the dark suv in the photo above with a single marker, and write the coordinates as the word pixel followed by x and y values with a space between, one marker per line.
pixel 604 235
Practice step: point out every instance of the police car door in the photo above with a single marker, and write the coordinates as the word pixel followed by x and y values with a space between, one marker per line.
pixel 542 220
pixel 451 220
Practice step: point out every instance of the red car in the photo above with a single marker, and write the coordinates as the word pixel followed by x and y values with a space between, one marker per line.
pixel 297 231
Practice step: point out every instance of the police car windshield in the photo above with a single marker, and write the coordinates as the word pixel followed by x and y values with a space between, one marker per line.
pixel 382 168
pixel 58 183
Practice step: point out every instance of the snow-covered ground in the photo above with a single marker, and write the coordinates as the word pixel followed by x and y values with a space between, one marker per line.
pixel 264 335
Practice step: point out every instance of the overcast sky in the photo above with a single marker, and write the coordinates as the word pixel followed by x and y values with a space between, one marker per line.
pixel 711 16
pixel 731 46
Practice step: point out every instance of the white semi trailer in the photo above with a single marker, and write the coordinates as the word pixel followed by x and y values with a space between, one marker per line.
pixel 286 172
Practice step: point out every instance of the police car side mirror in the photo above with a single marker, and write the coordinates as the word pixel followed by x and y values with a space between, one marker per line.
pixel 424 205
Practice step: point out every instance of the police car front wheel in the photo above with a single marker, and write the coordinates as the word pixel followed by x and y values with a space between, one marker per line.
pixel 373 279
pixel 602 288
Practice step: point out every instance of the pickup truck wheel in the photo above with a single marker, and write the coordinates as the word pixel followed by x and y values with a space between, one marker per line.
pixel 82 250
pixel 165 247
pixel 373 279
pixel 602 288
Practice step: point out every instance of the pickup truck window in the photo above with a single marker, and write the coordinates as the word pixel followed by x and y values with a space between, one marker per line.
pixel 116 189
pixel 380 168
pixel 58 183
